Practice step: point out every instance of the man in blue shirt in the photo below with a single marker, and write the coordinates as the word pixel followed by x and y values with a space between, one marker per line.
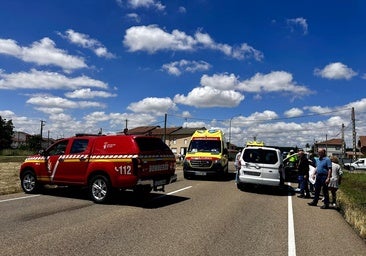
pixel 323 173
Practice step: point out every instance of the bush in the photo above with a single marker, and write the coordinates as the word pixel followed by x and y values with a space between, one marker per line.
pixel 14 155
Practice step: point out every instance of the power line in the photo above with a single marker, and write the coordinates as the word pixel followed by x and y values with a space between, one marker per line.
pixel 264 120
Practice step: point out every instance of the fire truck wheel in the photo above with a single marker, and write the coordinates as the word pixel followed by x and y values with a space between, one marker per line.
pixel 100 189
pixel 29 182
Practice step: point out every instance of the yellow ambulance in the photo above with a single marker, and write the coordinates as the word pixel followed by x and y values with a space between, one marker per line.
pixel 207 154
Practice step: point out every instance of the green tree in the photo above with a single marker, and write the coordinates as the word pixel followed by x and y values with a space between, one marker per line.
pixel 6 133
pixel 34 142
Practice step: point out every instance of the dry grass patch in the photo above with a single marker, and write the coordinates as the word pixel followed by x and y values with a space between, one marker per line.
pixel 9 178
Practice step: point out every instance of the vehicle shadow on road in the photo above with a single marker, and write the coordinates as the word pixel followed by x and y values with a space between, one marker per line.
pixel 224 178
pixel 126 198
pixel 284 190
pixel 150 201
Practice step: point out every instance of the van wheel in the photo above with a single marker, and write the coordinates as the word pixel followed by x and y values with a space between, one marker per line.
pixel 186 176
pixel 351 168
pixel 29 182
pixel 240 186
pixel 100 189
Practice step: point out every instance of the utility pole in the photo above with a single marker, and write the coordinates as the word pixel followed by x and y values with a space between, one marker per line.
pixel 125 131
pixel 165 119
pixel 354 133
pixel 41 139
pixel 42 124
pixel 343 143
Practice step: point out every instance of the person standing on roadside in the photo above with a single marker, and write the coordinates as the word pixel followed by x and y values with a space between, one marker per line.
pixel 303 174
pixel 237 164
pixel 323 173
pixel 237 161
pixel 335 180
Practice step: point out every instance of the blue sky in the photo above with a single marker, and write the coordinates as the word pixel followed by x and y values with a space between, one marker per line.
pixel 285 72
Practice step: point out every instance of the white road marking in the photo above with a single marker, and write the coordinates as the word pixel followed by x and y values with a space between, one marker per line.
pixel 291 229
pixel 17 198
pixel 176 191
pixel 173 192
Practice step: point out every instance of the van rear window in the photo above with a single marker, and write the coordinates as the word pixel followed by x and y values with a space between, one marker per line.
pixel 151 144
pixel 261 156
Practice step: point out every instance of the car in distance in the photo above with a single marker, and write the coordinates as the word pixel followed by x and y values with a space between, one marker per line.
pixel 103 164
pixel 260 166
pixel 360 164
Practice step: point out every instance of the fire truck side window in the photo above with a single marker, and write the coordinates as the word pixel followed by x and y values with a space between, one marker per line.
pixel 78 146
pixel 58 149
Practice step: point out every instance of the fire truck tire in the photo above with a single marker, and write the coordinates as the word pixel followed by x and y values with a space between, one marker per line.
pixel 29 182
pixel 100 190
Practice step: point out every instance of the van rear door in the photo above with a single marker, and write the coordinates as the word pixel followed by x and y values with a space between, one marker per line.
pixel 262 162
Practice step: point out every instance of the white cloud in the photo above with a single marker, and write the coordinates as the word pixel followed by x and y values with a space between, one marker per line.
pixel 152 39
pixel 134 16
pixel 21 123
pixel 87 93
pixel 144 4
pixel 335 71
pixel 177 67
pixel 318 109
pixel 298 22
pixel 157 106
pixel 246 51
pixel 51 110
pixel 205 97
pixel 220 81
pixel 117 121
pixel 182 9
pixel 194 124
pixel 44 102
pixel 46 80
pixel 276 81
pixel 257 116
pixel 222 90
pixel 293 112
pixel 42 52
pixel 85 41
pixel 186 114
pixel 359 105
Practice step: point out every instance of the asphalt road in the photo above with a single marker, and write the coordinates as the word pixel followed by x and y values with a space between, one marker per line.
pixel 192 217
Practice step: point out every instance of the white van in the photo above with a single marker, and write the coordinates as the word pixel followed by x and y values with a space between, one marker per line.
pixel 261 166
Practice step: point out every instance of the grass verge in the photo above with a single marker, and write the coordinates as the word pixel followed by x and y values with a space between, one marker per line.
pixel 351 198
pixel 12 159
